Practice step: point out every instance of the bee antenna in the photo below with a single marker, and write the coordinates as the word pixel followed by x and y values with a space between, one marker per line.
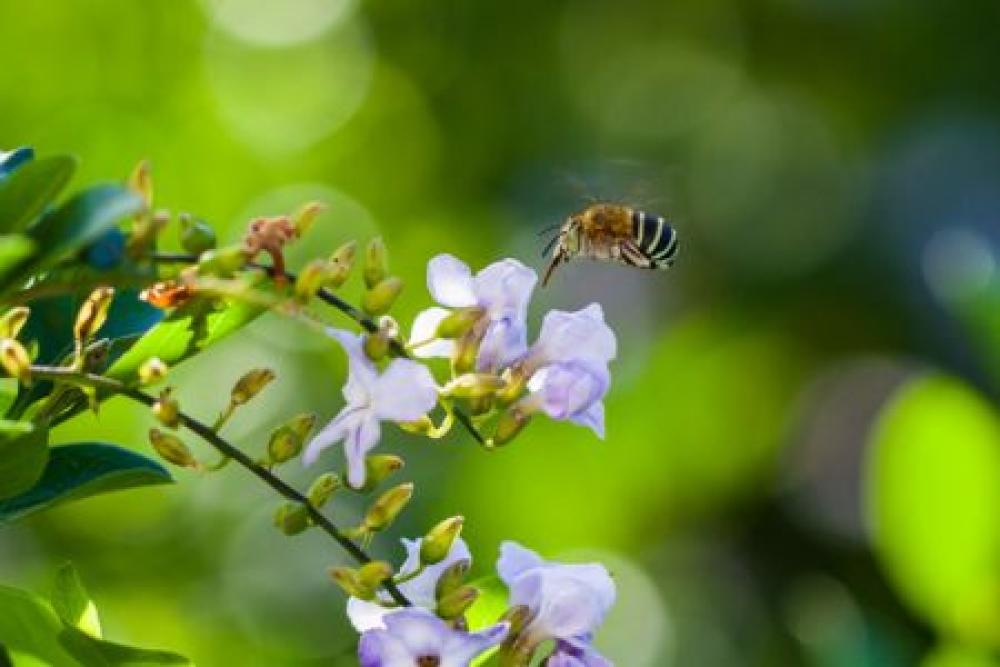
pixel 550 245
pixel 548 228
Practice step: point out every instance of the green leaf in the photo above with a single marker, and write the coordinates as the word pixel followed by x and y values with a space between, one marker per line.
pixel 14 249
pixel 81 470
pixel 81 220
pixel 24 452
pixel 187 331
pixel 29 626
pixel 933 498
pixel 26 193
pixel 72 604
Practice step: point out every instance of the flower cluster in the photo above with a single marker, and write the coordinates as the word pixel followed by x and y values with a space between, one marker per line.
pixel 549 601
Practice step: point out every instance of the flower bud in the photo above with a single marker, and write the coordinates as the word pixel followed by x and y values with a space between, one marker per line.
pixel 459 322
pixel 422 426
pixel 452 577
pixel 322 488
pixel 15 360
pixel 93 313
pixel 372 575
pixel 196 235
pixel 152 370
pixel 376 346
pixel 302 424
pixel 166 410
pixel 283 445
pixel 437 543
pixel 376 264
pixel 387 507
pixel 310 279
pixel 509 425
pixel 251 384
pixel 12 321
pixel 171 448
pixel 292 518
pixel 473 385
pixel 349 582
pixel 140 181
pixel 479 405
pixel 466 353
pixel 455 603
pixel 379 299
pixel 222 262
pixel 378 467
pixel 306 216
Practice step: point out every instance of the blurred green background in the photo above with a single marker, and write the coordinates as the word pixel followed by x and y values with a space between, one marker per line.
pixel 803 455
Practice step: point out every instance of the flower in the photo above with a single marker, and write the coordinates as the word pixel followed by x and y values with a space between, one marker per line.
pixel 404 392
pixel 568 367
pixel 566 602
pixel 420 590
pixel 502 290
pixel 415 637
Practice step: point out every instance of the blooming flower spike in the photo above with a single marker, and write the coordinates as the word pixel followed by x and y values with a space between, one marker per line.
pixel 415 637
pixel 404 392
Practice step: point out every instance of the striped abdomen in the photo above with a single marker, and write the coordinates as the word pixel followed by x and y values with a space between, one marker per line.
pixel 655 238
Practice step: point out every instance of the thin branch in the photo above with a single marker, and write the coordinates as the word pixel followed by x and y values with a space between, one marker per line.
pixel 325 295
pixel 67 375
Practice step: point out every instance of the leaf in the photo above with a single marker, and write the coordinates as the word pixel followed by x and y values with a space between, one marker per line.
pixel 933 497
pixel 27 192
pixel 82 470
pixel 14 249
pixel 29 626
pixel 187 331
pixel 11 161
pixel 23 454
pixel 72 603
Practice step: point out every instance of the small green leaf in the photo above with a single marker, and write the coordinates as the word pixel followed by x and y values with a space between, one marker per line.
pixel 933 497
pixel 26 193
pixel 187 331
pixel 14 249
pixel 23 454
pixel 81 470
pixel 71 602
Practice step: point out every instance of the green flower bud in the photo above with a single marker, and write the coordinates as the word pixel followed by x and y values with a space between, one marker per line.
pixel 378 467
pixel 152 370
pixel 459 322
pixel 172 449
pixel 302 424
pixel 306 216
pixel 15 360
pixel 283 445
pixel 376 263
pixel 479 405
pixel 452 577
pixel 422 426
pixel 387 507
pixel 372 575
pixel 322 488
pixel 379 299
pixel 292 518
pixel 310 279
pixel 466 352
pixel 473 385
pixel 166 410
pixel 376 346
pixel 350 583
pixel 196 235
pixel 455 603
pixel 251 384
pixel 13 320
pixel 140 181
pixel 509 425
pixel 437 543
pixel 222 262
pixel 92 314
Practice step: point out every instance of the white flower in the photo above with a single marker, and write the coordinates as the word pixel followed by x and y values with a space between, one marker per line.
pixel 404 392
pixel 503 290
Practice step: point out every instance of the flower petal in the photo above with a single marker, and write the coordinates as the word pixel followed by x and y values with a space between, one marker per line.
pixel 329 435
pixel 570 388
pixel 460 648
pixel 379 648
pixel 504 288
pixel 578 336
pixel 406 391
pixel 361 372
pixel 592 418
pixel 366 615
pixel 421 590
pixel 515 560
pixel 423 329
pixel 421 632
pixel 449 280
pixel 505 341
pixel 361 439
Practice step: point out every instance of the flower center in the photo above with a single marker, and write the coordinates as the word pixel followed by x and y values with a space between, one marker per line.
pixel 428 661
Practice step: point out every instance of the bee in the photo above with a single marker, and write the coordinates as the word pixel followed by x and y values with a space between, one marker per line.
pixel 614 233
pixel 167 294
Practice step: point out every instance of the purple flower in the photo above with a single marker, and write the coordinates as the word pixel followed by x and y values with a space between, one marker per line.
pixel 415 637
pixel 502 290
pixel 578 654
pixel 568 365
pixel 405 391
pixel 420 590
pixel 566 602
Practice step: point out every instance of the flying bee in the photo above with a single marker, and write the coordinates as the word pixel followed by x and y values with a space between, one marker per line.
pixel 614 233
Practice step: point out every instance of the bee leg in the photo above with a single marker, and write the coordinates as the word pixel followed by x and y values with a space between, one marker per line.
pixel 631 253
pixel 557 259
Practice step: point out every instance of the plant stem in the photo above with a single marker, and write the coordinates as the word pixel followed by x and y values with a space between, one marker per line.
pixel 205 432
pixel 328 297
